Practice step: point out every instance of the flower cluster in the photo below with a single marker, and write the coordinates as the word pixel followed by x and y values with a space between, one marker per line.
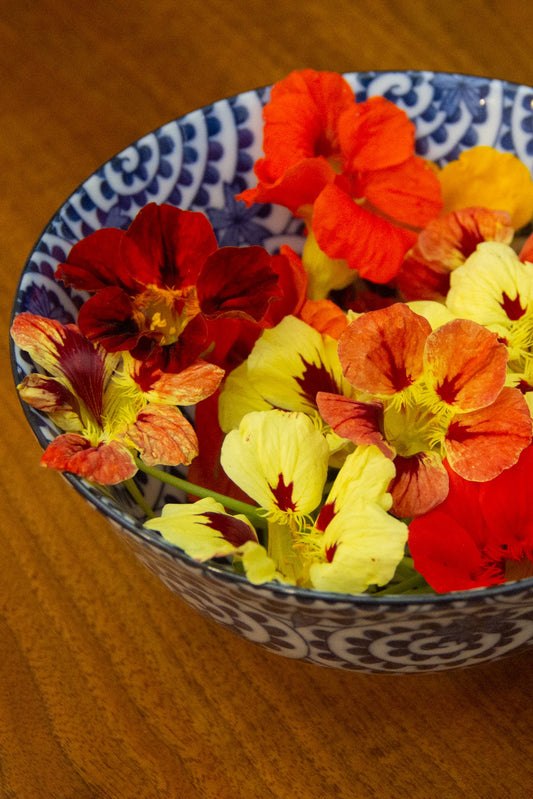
pixel 363 409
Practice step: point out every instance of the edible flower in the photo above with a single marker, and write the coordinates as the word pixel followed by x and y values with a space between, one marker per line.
pixel 481 535
pixel 110 410
pixel 349 170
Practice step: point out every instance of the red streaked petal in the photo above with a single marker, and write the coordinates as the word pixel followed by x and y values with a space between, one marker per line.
pixel 237 281
pixel 481 444
pixel 370 244
pixel 47 394
pixel 421 483
pixel 382 351
pixel 163 436
pixel 188 387
pixel 325 316
pixel 375 134
pixel 235 531
pixel 451 238
pixel 107 464
pixel 465 364
pixel 357 421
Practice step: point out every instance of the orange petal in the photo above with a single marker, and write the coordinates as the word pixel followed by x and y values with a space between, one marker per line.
pixel 357 421
pixel 163 436
pixel 368 242
pixel 191 385
pixel 106 464
pixel 481 444
pixel 375 134
pixel 297 187
pixel 465 364
pixel 421 483
pixel 382 351
pixel 325 316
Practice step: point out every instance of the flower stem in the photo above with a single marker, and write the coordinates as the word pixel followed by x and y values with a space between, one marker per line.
pixel 136 495
pixel 251 511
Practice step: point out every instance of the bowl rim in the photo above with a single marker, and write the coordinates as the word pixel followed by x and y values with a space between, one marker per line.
pixel 149 538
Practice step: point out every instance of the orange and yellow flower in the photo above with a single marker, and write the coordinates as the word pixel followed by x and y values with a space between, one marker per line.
pixel 433 395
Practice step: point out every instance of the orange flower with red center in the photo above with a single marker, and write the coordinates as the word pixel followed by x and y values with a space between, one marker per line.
pixel 432 395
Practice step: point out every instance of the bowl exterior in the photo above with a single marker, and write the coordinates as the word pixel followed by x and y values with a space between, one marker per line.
pixel 199 162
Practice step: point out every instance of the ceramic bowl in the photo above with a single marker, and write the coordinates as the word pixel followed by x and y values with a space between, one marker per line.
pixel 199 162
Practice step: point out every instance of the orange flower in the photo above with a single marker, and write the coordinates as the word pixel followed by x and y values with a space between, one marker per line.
pixel 349 169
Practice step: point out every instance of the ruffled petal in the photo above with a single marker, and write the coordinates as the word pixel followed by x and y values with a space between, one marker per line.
pixel 107 464
pixel 237 282
pixel 421 483
pixel 163 436
pixel 382 351
pixel 188 387
pixel 295 189
pixel 279 459
pixel 369 243
pixel 465 364
pixel 481 444
pixel 360 422
pixel 482 176
pixel 375 134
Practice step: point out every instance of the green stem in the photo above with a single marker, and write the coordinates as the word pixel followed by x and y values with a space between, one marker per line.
pixel 251 511
pixel 409 585
pixel 136 495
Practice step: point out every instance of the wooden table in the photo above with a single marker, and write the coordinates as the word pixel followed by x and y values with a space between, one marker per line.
pixel 110 686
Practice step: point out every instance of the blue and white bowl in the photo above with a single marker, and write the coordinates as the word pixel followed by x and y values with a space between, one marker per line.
pixel 199 162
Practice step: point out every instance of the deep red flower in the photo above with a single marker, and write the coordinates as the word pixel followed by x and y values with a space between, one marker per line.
pixel 157 286
pixel 482 534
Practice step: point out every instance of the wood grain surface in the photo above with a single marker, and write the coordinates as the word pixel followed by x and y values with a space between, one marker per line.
pixel 110 686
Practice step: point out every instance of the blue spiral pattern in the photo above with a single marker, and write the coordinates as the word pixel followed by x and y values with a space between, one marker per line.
pixel 200 162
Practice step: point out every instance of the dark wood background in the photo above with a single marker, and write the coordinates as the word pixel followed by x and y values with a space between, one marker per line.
pixel 110 686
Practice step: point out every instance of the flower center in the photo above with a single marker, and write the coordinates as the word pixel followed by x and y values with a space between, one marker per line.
pixel 416 421
pixel 165 312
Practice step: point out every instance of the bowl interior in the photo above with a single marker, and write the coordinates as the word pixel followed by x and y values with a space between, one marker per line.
pixel 199 162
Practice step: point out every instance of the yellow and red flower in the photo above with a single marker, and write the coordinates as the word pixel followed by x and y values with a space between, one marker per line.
pixel 110 407
pixel 433 395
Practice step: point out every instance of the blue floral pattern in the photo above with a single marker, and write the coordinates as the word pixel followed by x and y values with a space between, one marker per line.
pixel 199 162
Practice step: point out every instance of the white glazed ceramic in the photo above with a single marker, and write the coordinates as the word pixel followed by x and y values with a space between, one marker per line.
pixel 199 162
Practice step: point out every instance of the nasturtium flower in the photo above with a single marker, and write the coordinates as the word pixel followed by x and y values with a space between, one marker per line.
pixel 280 460
pixel 445 244
pixel 481 535
pixel 157 287
pixel 110 408
pixel 350 170
pixel 494 287
pixel 433 394
pixel 289 364
pixel 357 543
pixel 482 176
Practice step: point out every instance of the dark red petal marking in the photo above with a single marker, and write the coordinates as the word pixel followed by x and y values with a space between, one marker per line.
pixel 83 366
pixel 326 516
pixel 283 494
pixel 234 531
pixel 513 308
pixel 314 379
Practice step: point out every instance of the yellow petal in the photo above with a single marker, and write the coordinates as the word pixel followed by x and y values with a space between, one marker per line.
pixel 279 459
pixel 484 177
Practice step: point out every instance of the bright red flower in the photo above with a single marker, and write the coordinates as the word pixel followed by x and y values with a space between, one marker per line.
pixel 348 168
pixel 157 285
pixel 482 534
